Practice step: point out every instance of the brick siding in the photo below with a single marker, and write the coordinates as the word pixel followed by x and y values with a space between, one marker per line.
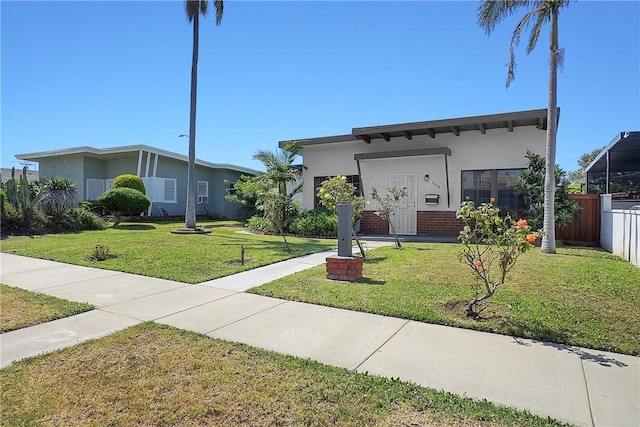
pixel 430 223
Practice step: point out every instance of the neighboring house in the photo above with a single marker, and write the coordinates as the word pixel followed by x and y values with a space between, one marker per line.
pixel 6 174
pixel 441 162
pixel 164 174
pixel 616 170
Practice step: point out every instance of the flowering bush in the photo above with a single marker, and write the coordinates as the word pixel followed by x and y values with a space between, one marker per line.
pixel 491 247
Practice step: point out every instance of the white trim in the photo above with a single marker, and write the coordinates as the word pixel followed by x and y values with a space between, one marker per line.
pixel 139 162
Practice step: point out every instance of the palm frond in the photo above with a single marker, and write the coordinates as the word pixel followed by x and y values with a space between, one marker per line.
pixel 515 40
pixel 195 7
pixel 219 6
pixel 543 15
pixel 492 12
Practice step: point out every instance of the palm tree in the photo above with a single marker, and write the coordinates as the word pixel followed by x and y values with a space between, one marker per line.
pixel 490 13
pixel 195 8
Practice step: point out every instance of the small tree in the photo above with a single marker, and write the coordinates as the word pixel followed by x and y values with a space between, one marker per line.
pixel 128 180
pixel 124 201
pixel 531 186
pixel 389 205
pixel 272 204
pixel 491 247
pixel 335 190
pixel 247 189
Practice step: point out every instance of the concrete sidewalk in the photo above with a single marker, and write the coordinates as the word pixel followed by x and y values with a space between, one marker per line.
pixel 581 386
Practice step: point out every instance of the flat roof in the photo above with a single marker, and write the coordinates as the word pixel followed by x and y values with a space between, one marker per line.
pixel 537 118
pixel 115 151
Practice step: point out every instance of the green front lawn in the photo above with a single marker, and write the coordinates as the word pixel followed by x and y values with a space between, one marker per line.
pixel 152 375
pixel 20 308
pixel 579 296
pixel 149 249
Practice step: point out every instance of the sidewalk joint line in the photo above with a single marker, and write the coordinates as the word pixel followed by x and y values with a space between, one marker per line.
pixel 586 385
pixel 381 345
pixel 248 316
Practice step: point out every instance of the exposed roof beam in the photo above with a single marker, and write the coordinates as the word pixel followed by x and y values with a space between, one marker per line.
pixel 482 128
pixel 385 136
pixel 510 124
pixel 407 135
pixel 403 153
pixel 455 130
pixel 431 132
pixel 365 138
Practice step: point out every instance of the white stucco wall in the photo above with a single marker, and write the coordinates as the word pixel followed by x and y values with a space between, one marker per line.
pixel 472 150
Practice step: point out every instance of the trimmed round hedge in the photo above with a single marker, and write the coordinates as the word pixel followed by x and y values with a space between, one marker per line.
pixel 129 181
pixel 125 201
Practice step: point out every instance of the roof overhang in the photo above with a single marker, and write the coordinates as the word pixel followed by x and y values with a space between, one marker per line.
pixel 115 152
pixel 403 153
pixel 537 118
pixel 624 154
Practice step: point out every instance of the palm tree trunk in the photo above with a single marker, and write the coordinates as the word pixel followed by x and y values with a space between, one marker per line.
pixel 548 245
pixel 190 215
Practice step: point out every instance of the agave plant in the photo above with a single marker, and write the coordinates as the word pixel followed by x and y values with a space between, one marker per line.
pixel 58 192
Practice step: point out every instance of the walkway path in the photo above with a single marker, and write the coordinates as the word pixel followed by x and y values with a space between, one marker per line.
pixel 581 386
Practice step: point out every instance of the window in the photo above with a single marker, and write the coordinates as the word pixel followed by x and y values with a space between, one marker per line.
pixel 481 185
pixel 169 190
pixel 232 188
pixel 203 192
pixel 318 180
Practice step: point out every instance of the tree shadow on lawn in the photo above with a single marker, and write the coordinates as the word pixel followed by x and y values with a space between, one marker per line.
pixel 139 227
pixel 554 339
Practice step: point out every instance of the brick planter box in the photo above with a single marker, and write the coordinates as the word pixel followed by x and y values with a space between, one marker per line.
pixel 344 268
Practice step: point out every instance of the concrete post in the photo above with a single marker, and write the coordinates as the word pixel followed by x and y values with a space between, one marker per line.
pixel 345 228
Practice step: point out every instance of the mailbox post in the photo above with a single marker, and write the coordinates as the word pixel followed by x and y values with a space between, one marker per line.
pixel 345 266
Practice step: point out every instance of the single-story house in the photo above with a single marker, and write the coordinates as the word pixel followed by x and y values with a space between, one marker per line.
pixel 442 162
pixel 163 172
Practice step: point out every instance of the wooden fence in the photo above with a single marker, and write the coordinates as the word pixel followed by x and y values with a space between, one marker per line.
pixel 585 229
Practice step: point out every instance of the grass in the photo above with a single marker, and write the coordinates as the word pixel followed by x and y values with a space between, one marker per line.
pixel 152 375
pixel 580 296
pixel 21 308
pixel 150 249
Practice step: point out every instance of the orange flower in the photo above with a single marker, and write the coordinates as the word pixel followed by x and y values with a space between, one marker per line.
pixel 478 263
pixel 491 200
pixel 531 238
pixel 522 223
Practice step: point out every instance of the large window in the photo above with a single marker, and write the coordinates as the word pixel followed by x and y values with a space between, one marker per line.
pixel 318 180
pixel 481 185
pixel 203 192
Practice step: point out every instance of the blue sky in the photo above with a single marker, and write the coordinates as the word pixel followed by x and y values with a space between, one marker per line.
pixel 117 73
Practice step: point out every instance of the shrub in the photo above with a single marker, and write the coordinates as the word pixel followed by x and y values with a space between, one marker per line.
pixel 319 222
pixel 264 225
pixel 129 181
pixel 87 220
pixel 93 206
pixel 124 201
pixel 58 193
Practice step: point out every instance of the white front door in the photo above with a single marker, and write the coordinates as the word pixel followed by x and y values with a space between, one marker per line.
pixel 405 218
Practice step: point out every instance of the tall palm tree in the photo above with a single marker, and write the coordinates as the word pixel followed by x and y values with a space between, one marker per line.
pixel 195 8
pixel 490 13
